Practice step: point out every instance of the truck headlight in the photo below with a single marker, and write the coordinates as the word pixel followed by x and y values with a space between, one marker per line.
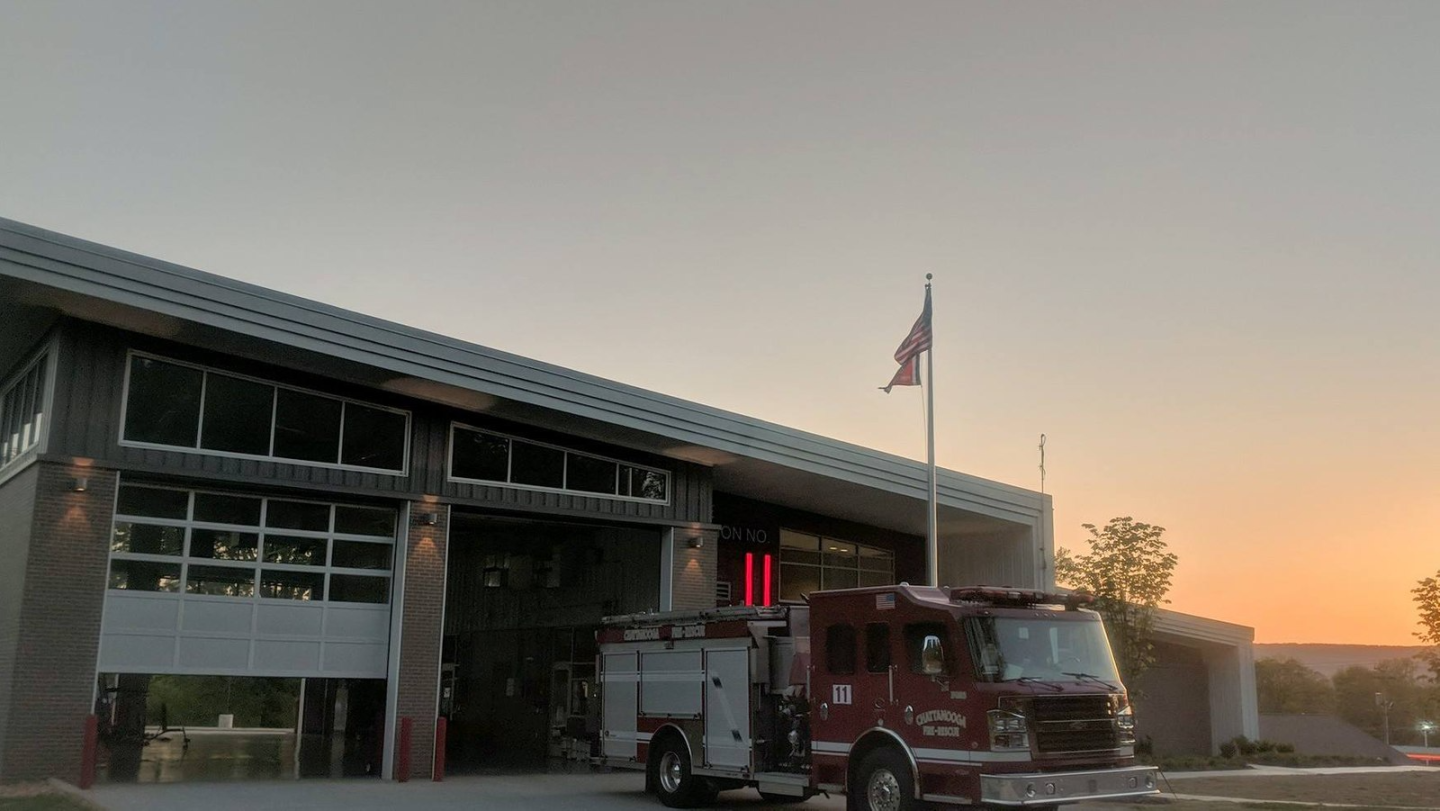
pixel 1125 725
pixel 1008 730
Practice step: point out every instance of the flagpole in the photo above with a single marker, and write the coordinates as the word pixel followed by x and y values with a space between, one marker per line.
pixel 932 537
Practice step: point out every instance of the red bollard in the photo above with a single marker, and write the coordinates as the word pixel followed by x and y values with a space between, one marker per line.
pixel 402 751
pixel 438 774
pixel 87 755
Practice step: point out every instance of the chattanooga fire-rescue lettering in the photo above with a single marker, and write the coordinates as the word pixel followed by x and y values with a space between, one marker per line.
pixel 954 723
pixel 797 700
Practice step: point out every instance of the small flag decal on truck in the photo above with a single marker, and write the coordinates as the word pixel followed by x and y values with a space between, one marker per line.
pixel 885 602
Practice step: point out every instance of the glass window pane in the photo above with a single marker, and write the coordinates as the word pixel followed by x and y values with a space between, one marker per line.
pixel 298 515
pixel 220 580
pixel 876 578
pixel 840 649
pixel 796 540
pixel 223 544
pixel 163 406
pixel 140 575
pixel 590 475
pixel 147 539
pixel 373 438
pixel 838 553
pixel 152 502
pixel 217 509
pixel 877 647
pixel 361 555
pixel 839 579
pixel 237 415
pixel 307 427
pixel 798 581
pixel 376 521
pixel 480 456
pixel 299 551
pixel 791 555
pixel 350 588
pixel 877 560
pixel 536 465
pixel 651 484
pixel 292 585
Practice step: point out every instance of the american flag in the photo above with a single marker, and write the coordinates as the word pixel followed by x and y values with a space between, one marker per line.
pixel 908 355
pixel 885 602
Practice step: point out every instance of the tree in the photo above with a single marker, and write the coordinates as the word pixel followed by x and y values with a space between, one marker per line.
pixel 1128 570
pixel 1288 686
pixel 1427 599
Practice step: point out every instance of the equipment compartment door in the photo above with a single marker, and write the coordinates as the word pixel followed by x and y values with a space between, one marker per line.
pixel 727 709
pixel 620 680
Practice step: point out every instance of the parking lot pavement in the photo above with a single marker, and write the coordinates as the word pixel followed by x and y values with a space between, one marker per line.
pixel 620 791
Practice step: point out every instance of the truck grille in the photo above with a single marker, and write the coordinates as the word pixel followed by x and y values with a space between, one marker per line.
pixel 1074 723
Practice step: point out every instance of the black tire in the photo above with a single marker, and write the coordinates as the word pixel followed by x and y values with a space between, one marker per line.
pixel 675 784
pixel 883 783
pixel 783 799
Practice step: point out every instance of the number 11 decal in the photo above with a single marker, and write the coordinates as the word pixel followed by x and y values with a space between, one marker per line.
pixel 840 694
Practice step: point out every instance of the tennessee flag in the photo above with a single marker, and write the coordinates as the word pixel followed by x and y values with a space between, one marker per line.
pixel 908 355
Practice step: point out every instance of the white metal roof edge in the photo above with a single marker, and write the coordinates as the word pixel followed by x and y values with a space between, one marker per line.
pixel 65 262
pixel 1190 626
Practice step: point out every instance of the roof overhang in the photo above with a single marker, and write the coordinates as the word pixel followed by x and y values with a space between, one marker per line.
pixel 42 272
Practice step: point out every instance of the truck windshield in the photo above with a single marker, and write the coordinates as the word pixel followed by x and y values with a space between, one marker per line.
pixel 1022 649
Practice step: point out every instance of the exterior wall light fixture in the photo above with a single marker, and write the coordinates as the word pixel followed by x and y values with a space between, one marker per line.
pixel 79 484
pixel 429 519
pixel 697 541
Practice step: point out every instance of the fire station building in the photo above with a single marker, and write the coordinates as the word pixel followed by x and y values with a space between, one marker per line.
pixel 201 477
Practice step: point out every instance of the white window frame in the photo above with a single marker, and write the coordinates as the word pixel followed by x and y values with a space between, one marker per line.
pixel 47 356
pixel 565 470
pixel 271 457
pixel 257 566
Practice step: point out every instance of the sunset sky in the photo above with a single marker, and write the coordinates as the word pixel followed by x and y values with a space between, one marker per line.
pixel 1197 245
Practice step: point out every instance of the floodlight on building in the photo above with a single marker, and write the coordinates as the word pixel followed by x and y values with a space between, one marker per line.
pixel 79 484
pixel 429 519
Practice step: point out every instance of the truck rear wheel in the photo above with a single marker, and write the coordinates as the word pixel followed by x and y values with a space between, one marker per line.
pixel 675 784
pixel 883 783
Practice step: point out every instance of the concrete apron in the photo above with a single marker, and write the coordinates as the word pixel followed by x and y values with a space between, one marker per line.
pixel 619 791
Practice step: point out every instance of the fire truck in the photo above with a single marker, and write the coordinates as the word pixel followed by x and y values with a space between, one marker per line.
pixel 898 697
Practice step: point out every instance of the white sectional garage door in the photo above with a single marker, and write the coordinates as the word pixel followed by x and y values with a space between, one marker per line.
pixel 226 583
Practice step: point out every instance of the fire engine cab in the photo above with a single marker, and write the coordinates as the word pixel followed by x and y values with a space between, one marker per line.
pixel 894 696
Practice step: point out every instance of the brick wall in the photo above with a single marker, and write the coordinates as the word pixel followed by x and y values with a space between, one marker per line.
pixel 693 585
pixel 420 631
pixel 59 630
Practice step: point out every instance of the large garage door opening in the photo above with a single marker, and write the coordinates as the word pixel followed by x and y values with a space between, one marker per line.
pixel 523 600
pixel 176 728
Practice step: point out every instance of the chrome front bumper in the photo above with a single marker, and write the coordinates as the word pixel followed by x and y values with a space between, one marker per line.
pixel 1047 788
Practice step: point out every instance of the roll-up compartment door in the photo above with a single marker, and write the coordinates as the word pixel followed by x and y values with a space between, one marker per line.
pixel 620 680
pixel 727 709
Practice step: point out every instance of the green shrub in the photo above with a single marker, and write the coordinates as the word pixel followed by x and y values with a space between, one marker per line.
pixel 1228 750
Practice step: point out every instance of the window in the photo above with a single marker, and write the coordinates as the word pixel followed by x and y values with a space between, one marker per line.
pixel 237 415
pixel 482 456
pixel 840 649
pixel 250 547
pixel 812 562
pixel 915 634
pixel 22 411
pixel 877 647
pixel 183 406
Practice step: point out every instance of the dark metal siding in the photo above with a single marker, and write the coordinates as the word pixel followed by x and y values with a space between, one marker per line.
pixel 17 512
pixel 87 425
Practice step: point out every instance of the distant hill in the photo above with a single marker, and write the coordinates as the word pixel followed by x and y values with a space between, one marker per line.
pixel 1331 659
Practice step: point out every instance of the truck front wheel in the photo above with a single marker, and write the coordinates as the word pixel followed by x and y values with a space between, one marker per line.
pixel 883 783
pixel 675 784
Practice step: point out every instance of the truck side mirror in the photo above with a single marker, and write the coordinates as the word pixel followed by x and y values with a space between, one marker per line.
pixel 932 656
